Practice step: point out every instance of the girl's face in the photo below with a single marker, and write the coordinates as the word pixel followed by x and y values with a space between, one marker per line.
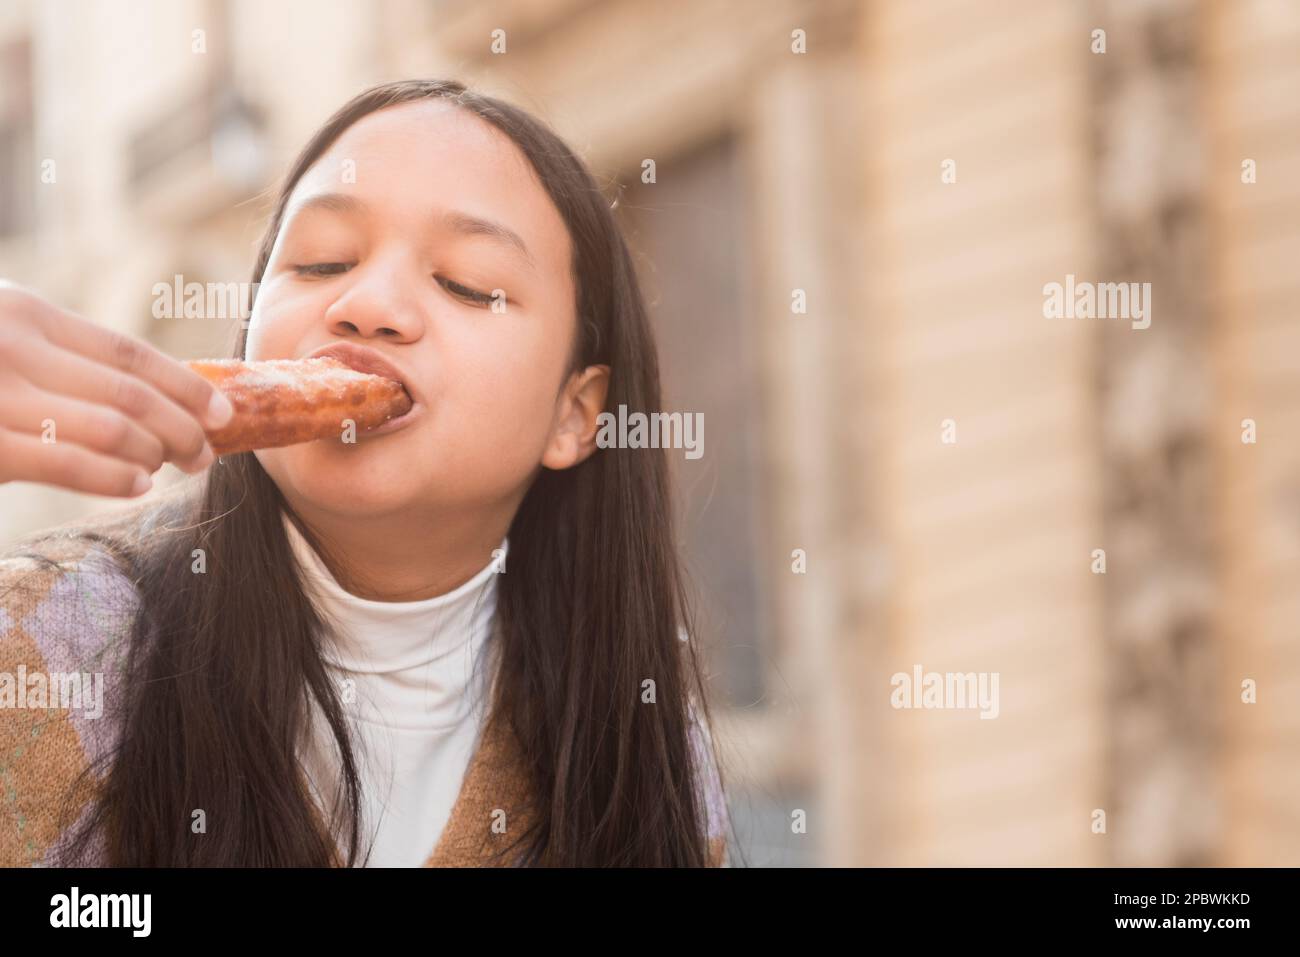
pixel 396 240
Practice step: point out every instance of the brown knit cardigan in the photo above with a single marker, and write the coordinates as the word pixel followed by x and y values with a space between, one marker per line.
pixel 75 616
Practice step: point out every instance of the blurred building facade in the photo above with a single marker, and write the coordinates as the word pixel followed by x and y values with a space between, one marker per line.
pixel 855 209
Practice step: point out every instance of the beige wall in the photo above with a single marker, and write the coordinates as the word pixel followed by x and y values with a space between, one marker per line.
pixel 1253 107
pixel 989 537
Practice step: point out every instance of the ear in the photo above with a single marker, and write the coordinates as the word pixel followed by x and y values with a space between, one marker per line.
pixel 573 436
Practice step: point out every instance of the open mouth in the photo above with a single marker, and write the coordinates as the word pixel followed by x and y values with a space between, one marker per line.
pixel 397 421
pixel 371 361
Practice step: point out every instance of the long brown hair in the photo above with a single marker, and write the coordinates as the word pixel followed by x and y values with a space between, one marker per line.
pixel 222 664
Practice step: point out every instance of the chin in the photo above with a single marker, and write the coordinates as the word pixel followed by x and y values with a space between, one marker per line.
pixel 352 481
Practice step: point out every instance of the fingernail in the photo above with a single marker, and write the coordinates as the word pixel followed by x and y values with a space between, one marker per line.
pixel 142 484
pixel 205 458
pixel 220 411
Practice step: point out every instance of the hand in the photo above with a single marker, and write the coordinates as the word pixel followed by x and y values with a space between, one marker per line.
pixel 89 409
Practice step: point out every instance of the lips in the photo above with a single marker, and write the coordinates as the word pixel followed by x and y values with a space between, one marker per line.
pixel 365 359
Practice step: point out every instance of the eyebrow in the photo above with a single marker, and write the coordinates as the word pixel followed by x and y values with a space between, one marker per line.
pixel 455 220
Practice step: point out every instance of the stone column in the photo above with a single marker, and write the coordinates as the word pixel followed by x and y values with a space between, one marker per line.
pixel 1154 394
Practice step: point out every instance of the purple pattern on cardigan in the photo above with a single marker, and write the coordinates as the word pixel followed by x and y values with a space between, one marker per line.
pixel 94 855
pixel 83 625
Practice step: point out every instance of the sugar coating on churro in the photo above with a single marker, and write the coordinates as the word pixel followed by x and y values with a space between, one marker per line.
pixel 286 401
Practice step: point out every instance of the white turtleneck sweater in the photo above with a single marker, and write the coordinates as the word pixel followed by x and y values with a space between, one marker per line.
pixel 417 674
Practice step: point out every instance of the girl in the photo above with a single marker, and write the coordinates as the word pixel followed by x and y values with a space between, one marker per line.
pixel 463 640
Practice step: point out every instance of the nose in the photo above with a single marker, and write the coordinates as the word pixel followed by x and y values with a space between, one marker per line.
pixel 377 302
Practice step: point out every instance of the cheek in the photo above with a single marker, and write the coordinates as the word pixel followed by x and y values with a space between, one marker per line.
pixel 488 436
pixel 273 330
pixel 511 391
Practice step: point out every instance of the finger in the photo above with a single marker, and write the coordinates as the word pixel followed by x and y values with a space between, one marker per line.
pixel 182 436
pixel 185 387
pixel 28 459
pixel 58 418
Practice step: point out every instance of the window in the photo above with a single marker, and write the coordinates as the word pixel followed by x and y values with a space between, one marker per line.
pixel 689 236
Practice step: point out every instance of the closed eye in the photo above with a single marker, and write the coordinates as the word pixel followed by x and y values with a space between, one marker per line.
pixel 464 292
pixel 321 269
